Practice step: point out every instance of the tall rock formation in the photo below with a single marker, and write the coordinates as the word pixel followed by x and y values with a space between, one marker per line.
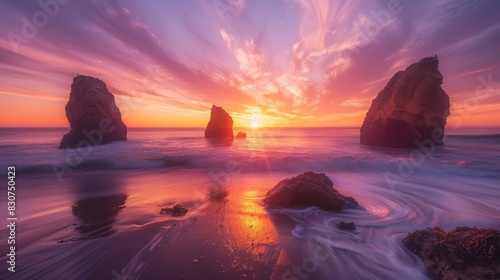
pixel 410 111
pixel 92 114
pixel 220 124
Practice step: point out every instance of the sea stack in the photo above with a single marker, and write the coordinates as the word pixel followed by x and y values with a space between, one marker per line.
pixel 93 115
pixel 410 111
pixel 220 124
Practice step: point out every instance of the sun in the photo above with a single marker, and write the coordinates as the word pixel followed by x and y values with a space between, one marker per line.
pixel 255 124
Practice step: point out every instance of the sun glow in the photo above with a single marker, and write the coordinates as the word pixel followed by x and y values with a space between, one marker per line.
pixel 255 124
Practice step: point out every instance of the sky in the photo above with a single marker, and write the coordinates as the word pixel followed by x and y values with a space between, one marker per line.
pixel 270 62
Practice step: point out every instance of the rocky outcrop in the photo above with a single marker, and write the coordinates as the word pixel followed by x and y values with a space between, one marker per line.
pixel 306 190
pixel 241 134
pixel 463 253
pixel 410 110
pixel 176 211
pixel 220 124
pixel 92 114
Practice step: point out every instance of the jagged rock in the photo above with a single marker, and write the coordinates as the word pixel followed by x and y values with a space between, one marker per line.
pixel 241 134
pixel 346 226
pixel 220 124
pixel 92 114
pixel 463 253
pixel 306 190
pixel 176 211
pixel 410 111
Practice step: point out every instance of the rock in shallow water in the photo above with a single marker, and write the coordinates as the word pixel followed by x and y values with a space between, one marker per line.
pixel 93 115
pixel 176 211
pixel 306 190
pixel 220 124
pixel 410 111
pixel 463 253
pixel 241 134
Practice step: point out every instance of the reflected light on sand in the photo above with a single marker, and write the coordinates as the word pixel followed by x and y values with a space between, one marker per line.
pixel 252 226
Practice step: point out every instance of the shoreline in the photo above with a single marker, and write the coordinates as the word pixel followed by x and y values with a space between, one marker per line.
pixel 113 218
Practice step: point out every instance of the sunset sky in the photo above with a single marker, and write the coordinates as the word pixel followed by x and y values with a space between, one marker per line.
pixel 275 63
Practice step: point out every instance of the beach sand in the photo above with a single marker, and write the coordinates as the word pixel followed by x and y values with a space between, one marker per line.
pixel 107 226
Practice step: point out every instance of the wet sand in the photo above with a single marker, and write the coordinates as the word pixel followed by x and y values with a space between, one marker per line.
pixel 107 226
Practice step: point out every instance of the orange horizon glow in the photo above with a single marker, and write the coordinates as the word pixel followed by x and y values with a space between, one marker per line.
pixel 45 113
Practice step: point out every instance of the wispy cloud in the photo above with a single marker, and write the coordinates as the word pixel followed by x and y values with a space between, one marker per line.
pixel 289 62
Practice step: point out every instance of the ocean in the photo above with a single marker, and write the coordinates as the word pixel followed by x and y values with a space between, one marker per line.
pixel 92 213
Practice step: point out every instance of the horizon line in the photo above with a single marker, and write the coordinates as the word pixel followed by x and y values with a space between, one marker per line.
pixel 247 127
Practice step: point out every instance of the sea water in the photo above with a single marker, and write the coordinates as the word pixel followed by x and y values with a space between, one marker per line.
pixel 401 191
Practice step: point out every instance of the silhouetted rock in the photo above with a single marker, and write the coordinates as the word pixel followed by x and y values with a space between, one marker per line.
pixel 346 226
pixel 241 134
pixel 410 111
pixel 220 124
pixel 177 210
pixel 92 114
pixel 463 253
pixel 306 190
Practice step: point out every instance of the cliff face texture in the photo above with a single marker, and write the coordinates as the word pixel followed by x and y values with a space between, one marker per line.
pixel 220 124
pixel 410 110
pixel 463 253
pixel 93 115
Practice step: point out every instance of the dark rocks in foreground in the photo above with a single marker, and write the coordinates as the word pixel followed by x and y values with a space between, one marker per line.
pixel 463 253
pixel 176 211
pixel 220 124
pixel 93 115
pixel 306 190
pixel 241 134
pixel 410 111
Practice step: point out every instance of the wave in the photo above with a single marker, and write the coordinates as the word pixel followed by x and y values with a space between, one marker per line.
pixel 238 163
pixel 104 164
pixel 481 137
